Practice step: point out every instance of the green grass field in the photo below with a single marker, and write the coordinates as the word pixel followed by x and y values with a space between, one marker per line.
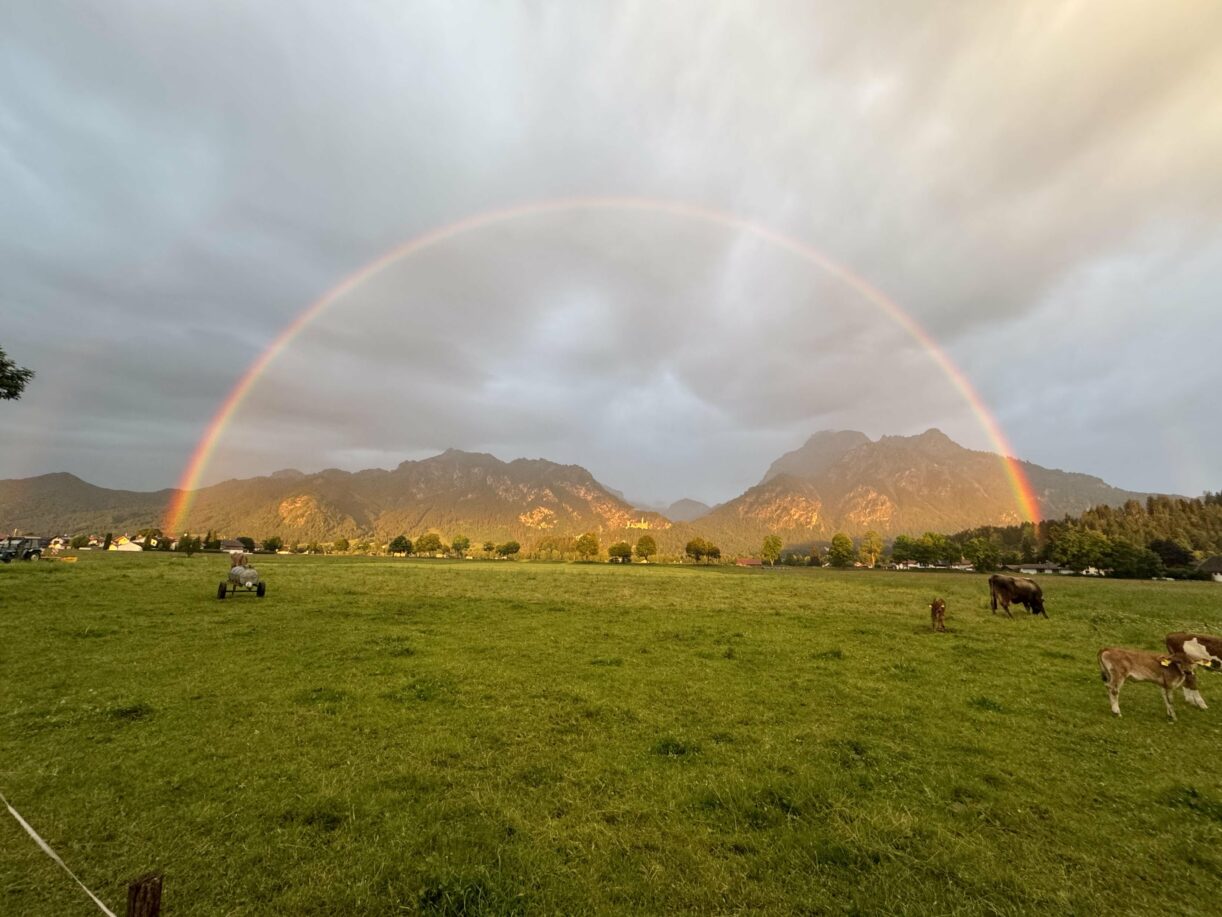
pixel 384 736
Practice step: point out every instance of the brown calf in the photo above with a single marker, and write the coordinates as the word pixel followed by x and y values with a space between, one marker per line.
pixel 937 615
pixel 1169 672
pixel 1204 647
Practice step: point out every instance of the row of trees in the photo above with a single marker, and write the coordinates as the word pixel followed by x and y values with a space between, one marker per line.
pixel 587 547
pixel 1164 536
pixel 431 545
pixel 698 549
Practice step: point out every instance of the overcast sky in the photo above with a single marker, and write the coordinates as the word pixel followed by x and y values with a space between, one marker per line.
pixel 1039 185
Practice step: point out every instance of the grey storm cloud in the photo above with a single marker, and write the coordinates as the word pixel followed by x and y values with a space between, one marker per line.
pixel 1039 185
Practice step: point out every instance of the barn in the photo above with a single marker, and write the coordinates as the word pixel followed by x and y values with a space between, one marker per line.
pixel 1212 566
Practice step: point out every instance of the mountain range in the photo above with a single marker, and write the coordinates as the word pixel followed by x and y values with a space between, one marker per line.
pixel 836 481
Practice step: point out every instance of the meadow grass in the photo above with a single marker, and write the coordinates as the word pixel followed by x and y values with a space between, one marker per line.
pixel 384 736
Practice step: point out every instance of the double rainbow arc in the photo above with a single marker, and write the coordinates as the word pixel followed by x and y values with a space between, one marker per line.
pixel 180 504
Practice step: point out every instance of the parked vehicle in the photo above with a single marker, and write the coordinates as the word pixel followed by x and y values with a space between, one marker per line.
pixel 16 548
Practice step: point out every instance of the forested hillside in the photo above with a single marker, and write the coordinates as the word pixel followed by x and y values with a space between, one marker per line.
pixel 1162 535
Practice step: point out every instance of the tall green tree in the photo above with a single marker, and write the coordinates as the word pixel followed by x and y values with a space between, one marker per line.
pixel 273 543
pixel 587 546
pixel 620 552
pixel 429 543
pixel 697 549
pixel 983 554
pixel 841 553
pixel 646 547
pixel 903 550
pixel 771 550
pixel 13 378
pixel 246 541
pixel 489 548
pixel 341 545
pixel 1128 561
pixel 1029 543
pixel 508 549
pixel 1172 553
pixel 400 544
pixel 871 547
pixel 460 545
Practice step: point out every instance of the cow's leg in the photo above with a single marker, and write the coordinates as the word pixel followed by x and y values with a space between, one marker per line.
pixel 1113 691
pixel 1005 606
pixel 1167 695
pixel 1192 692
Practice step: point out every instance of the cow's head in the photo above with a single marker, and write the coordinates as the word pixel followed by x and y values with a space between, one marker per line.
pixel 1197 654
pixel 1037 605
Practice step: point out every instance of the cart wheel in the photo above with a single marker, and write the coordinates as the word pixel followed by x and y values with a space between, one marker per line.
pixel 261 589
pixel 220 591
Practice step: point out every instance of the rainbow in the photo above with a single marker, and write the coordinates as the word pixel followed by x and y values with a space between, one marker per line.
pixel 180 504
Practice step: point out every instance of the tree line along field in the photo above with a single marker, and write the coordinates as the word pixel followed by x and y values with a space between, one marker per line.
pixel 383 736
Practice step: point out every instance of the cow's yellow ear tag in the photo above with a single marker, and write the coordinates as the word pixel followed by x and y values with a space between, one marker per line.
pixel 1164 662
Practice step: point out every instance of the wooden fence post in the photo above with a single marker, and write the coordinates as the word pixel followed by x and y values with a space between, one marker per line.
pixel 144 896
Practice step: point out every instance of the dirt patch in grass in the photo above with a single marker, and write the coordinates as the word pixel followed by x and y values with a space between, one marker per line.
pixel 670 747
pixel 325 816
pixel 130 713
pixel 1189 797
pixel 320 696
pixel 467 896
pixel 986 703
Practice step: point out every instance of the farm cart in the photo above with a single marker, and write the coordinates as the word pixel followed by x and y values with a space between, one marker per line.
pixel 242 576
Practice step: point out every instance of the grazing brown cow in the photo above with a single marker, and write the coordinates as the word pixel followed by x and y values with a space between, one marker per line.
pixel 1017 590
pixel 1210 647
pixel 937 615
pixel 1169 672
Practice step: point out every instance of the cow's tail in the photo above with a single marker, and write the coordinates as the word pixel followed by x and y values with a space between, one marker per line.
pixel 993 594
pixel 1103 672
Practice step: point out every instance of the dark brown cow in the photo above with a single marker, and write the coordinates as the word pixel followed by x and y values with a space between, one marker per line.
pixel 1210 646
pixel 937 615
pixel 1016 590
